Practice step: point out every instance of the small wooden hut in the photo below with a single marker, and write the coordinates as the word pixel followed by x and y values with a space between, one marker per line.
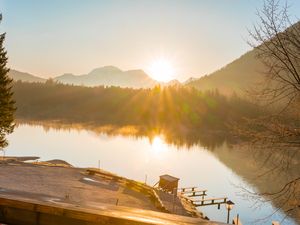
pixel 168 183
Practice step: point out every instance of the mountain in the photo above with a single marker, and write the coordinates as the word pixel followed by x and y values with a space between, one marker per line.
pixel 244 73
pixel 25 77
pixel 107 75
pixel 110 76
pixel 238 76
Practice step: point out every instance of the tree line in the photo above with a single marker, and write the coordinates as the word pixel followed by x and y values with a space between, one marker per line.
pixel 173 107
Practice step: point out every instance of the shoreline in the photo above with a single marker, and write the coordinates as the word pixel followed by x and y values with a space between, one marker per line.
pixel 58 182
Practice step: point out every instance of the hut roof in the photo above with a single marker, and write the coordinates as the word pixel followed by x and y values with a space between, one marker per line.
pixel 168 178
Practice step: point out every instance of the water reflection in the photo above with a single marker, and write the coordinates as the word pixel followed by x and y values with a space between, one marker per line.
pixel 134 152
pixel 158 145
pixel 177 137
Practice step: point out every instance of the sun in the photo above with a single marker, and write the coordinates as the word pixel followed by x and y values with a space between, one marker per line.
pixel 161 69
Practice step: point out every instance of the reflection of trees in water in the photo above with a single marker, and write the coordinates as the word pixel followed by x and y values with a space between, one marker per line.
pixel 177 137
pixel 251 163
pixel 246 161
pixel 279 172
pixel 276 136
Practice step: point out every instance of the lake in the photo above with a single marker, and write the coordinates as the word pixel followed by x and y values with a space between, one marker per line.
pixel 220 171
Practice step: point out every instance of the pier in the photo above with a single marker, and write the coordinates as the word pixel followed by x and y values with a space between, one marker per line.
pixel 191 194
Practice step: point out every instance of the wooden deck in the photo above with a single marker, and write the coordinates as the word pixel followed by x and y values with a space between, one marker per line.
pixel 30 212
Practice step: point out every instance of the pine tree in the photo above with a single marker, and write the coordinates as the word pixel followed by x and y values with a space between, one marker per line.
pixel 7 107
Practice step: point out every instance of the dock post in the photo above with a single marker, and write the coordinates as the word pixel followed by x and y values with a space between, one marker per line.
pixel 228 215
pixel 174 198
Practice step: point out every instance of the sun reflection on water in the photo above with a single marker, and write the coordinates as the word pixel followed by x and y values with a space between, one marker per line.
pixel 158 145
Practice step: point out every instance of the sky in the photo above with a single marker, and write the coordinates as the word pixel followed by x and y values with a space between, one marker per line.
pixel 196 37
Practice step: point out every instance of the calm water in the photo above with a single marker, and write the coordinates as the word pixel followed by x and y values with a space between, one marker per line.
pixel 137 157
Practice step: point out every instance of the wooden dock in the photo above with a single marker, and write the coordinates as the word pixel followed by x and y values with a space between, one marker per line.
pixel 30 212
pixel 192 195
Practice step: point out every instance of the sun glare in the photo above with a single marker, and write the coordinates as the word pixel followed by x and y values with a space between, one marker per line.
pixel 158 145
pixel 161 70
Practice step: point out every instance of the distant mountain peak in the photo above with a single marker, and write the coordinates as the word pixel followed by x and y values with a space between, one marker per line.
pixel 135 71
pixel 68 75
pixel 110 76
pixel 105 69
pixel 106 75
pixel 25 77
pixel 138 72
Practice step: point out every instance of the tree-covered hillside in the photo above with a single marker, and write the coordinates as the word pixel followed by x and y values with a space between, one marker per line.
pixel 241 75
pixel 172 107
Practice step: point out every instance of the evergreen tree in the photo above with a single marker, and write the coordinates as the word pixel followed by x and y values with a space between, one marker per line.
pixel 6 102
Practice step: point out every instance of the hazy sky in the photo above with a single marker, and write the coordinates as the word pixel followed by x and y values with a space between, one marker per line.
pixel 52 37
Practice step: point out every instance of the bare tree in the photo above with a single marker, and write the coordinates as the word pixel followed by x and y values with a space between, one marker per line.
pixel 277 43
pixel 276 138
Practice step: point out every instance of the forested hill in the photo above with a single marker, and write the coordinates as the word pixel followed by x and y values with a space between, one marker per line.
pixel 25 77
pixel 172 107
pixel 239 76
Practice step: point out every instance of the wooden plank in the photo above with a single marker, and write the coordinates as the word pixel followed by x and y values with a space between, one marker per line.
pixel 187 188
pixel 208 204
pixel 211 199
pixel 195 191
pixel 197 195
pixel 30 212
